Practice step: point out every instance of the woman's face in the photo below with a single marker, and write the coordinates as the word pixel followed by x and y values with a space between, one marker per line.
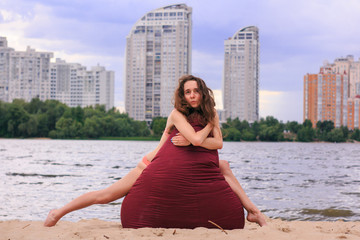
pixel 192 94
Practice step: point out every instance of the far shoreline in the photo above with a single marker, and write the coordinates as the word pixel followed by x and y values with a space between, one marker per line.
pixel 158 139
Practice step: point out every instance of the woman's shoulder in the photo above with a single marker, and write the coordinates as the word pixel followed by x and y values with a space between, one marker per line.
pixel 175 113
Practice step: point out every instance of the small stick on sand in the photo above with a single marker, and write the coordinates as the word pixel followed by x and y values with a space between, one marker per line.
pixel 26 226
pixel 217 226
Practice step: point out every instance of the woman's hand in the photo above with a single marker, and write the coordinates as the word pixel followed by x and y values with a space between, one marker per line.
pixel 180 141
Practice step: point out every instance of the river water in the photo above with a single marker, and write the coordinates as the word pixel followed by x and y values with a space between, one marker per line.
pixel 292 181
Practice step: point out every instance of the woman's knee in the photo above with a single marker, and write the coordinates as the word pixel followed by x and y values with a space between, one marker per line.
pixel 224 166
pixel 141 166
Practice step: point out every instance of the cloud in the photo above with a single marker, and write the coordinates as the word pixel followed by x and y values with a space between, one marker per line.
pixel 295 36
pixel 273 103
pixel 285 106
pixel 218 99
pixel 209 67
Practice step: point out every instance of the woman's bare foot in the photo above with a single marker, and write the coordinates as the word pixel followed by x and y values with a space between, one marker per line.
pixel 52 218
pixel 256 217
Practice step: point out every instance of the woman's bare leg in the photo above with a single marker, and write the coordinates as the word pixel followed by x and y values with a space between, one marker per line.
pixel 254 214
pixel 117 190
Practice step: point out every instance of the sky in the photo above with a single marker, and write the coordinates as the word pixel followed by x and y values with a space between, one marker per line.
pixel 296 37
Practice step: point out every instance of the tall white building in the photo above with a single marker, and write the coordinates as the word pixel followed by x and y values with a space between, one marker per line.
pixel 74 85
pixel 4 69
pixel 158 52
pixel 347 107
pixel 347 65
pixel 30 74
pixel 241 75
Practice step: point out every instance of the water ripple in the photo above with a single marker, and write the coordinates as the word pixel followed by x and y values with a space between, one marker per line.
pixel 292 181
pixel 41 175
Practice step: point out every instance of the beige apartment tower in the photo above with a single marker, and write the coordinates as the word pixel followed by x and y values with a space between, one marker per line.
pixel 5 52
pixel 74 85
pixel 30 74
pixel 158 52
pixel 334 93
pixel 26 75
pixel 241 75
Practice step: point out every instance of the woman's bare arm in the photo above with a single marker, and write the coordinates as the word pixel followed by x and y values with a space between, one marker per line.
pixel 184 127
pixel 150 156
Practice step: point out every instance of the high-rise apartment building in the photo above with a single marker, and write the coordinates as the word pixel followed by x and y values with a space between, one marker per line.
pixel 325 97
pixel 353 113
pixel 241 75
pixel 4 69
pixel 158 52
pixel 30 74
pixel 74 85
pixel 334 93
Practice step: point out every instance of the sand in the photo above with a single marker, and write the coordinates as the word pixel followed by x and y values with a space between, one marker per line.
pixel 97 229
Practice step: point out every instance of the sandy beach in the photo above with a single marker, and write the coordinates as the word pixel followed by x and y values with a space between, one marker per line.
pixel 97 229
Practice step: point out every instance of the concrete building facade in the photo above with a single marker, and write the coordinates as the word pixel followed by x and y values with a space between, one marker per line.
pixel 26 75
pixel 4 69
pixel 158 52
pixel 334 93
pixel 31 74
pixel 74 85
pixel 325 97
pixel 241 75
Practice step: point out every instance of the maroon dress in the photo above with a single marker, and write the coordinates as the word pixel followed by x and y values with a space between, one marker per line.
pixel 182 188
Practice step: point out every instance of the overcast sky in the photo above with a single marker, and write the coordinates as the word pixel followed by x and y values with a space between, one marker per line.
pixel 295 38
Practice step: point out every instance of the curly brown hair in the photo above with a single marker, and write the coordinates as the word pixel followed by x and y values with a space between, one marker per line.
pixel 205 110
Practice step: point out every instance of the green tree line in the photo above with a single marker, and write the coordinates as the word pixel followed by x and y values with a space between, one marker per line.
pixel 53 119
pixel 270 129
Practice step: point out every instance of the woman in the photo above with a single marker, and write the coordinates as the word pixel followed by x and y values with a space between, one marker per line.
pixel 183 186
pixel 122 187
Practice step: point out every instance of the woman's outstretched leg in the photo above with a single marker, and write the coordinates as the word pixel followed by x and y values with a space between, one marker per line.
pixel 117 190
pixel 254 214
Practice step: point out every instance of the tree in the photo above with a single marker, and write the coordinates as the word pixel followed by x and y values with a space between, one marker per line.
pixel 158 125
pixel 231 134
pixel 336 135
pixel 91 127
pixel 140 129
pixel 255 127
pixel 43 125
pixel 345 131
pixel 35 106
pixel 271 133
pixel 124 128
pixel 323 128
pixel 305 134
pixel 15 115
pixel 248 135
pixel 269 121
pixel 307 123
pixel 3 118
pixel 68 128
pixel 54 111
pixel 293 126
pixel 355 135
pixel 29 128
